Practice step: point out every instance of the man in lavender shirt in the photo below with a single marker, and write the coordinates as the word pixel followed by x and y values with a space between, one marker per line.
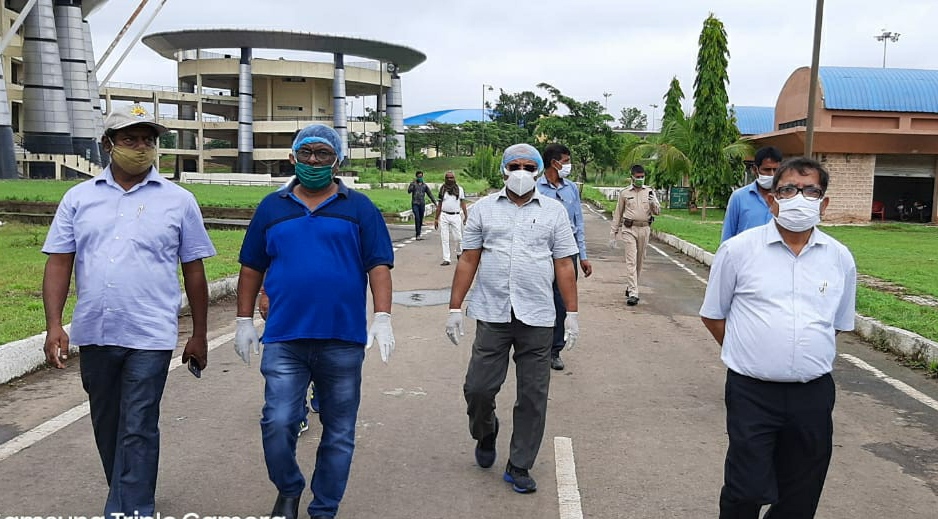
pixel 124 232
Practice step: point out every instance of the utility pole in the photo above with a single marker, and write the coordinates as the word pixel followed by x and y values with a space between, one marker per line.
pixel 886 37
pixel 812 89
pixel 607 95
pixel 490 88
pixel 654 111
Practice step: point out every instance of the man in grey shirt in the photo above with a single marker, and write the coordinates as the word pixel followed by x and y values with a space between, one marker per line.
pixel 515 240
pixel 418 192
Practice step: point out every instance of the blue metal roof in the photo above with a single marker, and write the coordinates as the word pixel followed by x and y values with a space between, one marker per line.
pixel 448 117
pixel 879 89
pixel 755 120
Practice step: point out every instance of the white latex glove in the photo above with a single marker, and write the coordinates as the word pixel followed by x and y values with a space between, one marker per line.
pixel 571 330
pixel 246 339
pixel 454 325
pixel 381 333
pixel 614 242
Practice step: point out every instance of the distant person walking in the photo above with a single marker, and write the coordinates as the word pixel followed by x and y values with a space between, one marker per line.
pixel 749 205
pixel 451 215
pixel 554 184
pixel 418 192
pixel 635 210
pixel 777 297
pixel 125 232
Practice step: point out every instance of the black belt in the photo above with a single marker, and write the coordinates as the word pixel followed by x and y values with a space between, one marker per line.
pixel 447 212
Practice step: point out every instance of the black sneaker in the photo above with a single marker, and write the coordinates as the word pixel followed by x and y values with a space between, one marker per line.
pixel 521 481
pixel 632 300
pixel 556 363
pixel 485 448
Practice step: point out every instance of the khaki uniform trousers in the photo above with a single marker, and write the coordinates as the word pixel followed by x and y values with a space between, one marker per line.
pixel 635 241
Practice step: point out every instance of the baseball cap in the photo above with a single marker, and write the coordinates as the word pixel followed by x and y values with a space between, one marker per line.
pixel 131 115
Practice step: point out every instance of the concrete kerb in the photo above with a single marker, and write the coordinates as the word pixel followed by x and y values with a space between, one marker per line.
pixel 896 340
pixel 25 356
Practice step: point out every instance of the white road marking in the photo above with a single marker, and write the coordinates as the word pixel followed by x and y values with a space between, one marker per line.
pixel 52 426
pixel 568 490
pixel 679 264
pixel 600 214
pixel 898 384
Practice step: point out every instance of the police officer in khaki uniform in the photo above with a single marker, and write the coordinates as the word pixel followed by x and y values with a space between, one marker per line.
pixel 634 211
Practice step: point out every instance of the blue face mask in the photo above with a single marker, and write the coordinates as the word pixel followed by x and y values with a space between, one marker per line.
pixel 313 177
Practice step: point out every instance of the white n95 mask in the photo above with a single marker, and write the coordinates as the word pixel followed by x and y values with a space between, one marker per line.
pixel 565 170
pixel 765 181
pixel 519 182
pixel 798 214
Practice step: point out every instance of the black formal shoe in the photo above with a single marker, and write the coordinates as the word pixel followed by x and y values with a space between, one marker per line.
pixel 445 263
pixel 286 507
pixel 556 363
pixel 321 517
pixel 485 448
pixel 632 300
pixel 521 481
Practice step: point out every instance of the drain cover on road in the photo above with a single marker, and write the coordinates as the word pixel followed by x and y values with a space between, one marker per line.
pixel 422 297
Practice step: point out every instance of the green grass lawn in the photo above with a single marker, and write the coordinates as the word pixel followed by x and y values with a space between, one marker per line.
pixel 22 264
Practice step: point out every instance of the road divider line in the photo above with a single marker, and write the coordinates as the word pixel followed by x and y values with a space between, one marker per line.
pixel 898 384
pixel 54 425
pixel 568 491
pixel 679 264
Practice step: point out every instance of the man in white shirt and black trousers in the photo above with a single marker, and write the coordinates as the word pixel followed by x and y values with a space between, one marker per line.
pixel 777 297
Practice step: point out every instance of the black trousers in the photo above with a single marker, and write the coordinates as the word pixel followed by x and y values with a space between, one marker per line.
pixel 558 343
pixel 781 439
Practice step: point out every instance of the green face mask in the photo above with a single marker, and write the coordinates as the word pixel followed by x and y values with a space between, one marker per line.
pixel 639 182
pixel 313 177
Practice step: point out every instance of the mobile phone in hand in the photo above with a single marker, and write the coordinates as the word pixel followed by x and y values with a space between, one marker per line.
pixel 194 368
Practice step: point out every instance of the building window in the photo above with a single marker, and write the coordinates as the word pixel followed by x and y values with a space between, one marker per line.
pixel 294 80
pixel 286 108
pixel 793 124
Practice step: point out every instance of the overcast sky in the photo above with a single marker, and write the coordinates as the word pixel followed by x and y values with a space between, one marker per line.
pixel 630 49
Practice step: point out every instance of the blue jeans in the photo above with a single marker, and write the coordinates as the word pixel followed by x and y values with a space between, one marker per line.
pixel 418 210
pixel 335 367
pixel 124 389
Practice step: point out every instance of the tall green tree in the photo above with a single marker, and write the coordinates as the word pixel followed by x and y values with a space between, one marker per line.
pixel 713 129
pixel 673 110
pixel 522 109
pixel 585 130
pixel 632 118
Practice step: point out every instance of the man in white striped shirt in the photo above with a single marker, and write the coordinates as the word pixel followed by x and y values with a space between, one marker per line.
pixel 515 242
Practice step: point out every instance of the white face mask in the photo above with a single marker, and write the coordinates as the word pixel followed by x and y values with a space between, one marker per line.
pixel 565 170
pixel 798 214
pixel 765 181
pixel 519 182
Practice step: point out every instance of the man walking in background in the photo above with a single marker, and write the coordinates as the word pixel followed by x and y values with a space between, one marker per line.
pixel 749 205
pixel 554 184
pixel 637 206
pixel 418 192
pixel 450 215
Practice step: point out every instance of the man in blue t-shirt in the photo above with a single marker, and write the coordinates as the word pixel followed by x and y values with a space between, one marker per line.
pixel 749 205
pixel 315 245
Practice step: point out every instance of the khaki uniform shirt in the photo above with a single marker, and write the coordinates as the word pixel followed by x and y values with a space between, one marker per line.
pixel 634 204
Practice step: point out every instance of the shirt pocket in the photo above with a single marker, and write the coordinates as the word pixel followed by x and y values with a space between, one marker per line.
pixel 822 290
pixel 156 235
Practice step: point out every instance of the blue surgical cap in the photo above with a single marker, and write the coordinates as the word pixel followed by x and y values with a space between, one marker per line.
pixel 522 151
pixel 320 133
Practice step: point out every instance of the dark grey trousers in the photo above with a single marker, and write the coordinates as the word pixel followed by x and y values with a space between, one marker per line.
pixel 488 368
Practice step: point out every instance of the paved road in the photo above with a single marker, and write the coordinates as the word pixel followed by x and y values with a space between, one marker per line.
pixel 640 402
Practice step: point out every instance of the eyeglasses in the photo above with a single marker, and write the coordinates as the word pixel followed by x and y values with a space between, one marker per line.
pixel 530 168
pixel 809 192
pixel 322 156
pixel 131 141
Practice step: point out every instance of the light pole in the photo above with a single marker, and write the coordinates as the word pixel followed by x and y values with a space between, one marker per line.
pixel 654 112
pixel 490 88
pixel 887 37
pixel 607 95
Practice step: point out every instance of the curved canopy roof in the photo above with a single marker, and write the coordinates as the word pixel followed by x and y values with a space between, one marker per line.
pixel 879 89
pixel 167 44
pixel 455 116
pixel 755 120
